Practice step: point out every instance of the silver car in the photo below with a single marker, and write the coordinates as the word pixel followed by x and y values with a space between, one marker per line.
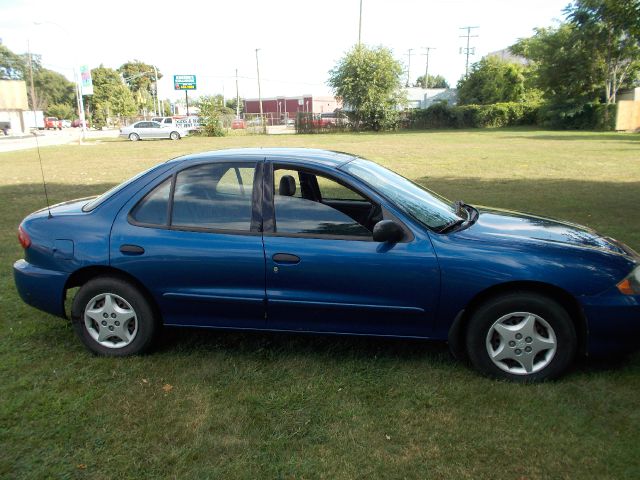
pixel 150 129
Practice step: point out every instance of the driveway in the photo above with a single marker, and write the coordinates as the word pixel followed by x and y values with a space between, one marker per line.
pixel 51 137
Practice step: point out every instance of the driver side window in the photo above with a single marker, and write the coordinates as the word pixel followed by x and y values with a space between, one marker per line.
pixel 307 203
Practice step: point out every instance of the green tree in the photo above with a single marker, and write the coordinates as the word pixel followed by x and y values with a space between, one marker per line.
pixel 111 97
pixel 437 81
pixel 231 104
pixel 492 80
pixel 12 66
pixel 140 77
pixel 368 82
pixel 213 115
pixel 610 30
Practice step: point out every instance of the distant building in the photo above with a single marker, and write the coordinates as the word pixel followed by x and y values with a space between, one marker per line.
pixel 279 108
pixel 418 97
pixel 13 106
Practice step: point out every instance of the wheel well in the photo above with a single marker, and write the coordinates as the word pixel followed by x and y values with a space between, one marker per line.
pixel 458 329
pixel 82 276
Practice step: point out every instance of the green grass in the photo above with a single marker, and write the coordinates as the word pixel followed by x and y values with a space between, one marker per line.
pixel 281 406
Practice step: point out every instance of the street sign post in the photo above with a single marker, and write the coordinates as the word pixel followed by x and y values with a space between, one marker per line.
pixel 186 83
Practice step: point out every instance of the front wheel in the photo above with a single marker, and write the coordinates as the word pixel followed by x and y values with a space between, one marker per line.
pixel 521 336
pixel 113 318
pixel 134 137
pixel 174 136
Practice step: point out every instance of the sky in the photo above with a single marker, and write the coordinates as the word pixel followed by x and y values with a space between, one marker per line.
pixel 299 41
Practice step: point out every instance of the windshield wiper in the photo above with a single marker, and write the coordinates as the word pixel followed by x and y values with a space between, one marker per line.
pixel 462 210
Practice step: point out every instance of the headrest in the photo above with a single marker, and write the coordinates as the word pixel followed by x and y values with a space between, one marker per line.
pixel 287 186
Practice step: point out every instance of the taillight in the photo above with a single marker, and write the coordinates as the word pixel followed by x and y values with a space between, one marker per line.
pixel 23 238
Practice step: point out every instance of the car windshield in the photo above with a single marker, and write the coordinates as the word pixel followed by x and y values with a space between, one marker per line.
pixel 425 206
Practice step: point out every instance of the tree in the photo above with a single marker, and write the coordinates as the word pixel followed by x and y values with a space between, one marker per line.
pixel 610 30
pixel 231 103
pixel 141 79
pixel 586 60
pixel 437 81
pixel 368 82
pixel 492 80
pixel 12 66
pixel 213 113
pixel 110 98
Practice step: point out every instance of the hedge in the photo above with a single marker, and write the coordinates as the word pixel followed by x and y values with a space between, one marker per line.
pixel 441 115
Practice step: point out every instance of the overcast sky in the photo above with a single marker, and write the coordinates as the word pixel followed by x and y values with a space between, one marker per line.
pixel 299 40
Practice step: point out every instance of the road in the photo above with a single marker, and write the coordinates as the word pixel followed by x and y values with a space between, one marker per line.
pixel 51 137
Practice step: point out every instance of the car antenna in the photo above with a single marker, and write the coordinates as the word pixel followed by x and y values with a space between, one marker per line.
pixel 44 183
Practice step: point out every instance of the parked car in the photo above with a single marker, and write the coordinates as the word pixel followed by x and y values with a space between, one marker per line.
pixel 301 240
pixel 66 123
pixel 150 129
pixel 52 123
pixel 238 123
pixel 77 123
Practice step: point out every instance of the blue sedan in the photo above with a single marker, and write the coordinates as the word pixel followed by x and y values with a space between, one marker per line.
pixel 301 240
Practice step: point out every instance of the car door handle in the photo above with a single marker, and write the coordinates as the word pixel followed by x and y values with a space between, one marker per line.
pixel 131 249
pixel 286 258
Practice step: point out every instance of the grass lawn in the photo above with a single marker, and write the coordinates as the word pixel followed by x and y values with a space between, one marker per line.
pixel 229 405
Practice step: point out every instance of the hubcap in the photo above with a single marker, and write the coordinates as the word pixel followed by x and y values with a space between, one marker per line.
pixel 110 320
pixel 521 343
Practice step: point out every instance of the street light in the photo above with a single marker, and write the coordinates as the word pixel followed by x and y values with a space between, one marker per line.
pixel 79 100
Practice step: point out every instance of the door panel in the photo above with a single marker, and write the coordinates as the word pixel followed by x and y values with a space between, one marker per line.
pixel 352 286
pixel 193 241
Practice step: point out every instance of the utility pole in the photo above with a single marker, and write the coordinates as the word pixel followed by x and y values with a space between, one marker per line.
pixel 409 67
pixel 360 25
pixel 33 90
pixel 237 97
pixel 259 92
pixel 468 51
pixel 160 113
pixel 426 68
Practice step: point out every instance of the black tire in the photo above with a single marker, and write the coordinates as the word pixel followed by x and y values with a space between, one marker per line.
pixel 144 322
pixel 544 310
pixel 174 136
pixel 134 137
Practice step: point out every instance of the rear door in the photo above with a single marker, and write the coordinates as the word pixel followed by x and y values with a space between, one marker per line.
pixel 193 240
pixel 324 271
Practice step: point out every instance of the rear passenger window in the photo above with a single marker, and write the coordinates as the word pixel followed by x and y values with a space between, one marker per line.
pixel 214 196
pixel 153 208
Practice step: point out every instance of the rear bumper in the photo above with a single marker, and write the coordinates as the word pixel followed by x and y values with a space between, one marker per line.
pixel 40 288
pixel 613 322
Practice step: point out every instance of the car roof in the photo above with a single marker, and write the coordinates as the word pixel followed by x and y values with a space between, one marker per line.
pixel 309 156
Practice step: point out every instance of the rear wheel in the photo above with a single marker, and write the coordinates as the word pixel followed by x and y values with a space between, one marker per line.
pixel 112 317
pixel 134 137
pixel 174 136
pixel 521 336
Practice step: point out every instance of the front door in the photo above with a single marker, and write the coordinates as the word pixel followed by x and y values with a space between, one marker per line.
pixel 193 240
pixel 324 271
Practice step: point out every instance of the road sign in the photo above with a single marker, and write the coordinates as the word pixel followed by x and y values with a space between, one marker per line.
pixel 184 82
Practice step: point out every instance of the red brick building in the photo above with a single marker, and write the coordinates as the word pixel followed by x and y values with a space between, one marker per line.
pixel 279 108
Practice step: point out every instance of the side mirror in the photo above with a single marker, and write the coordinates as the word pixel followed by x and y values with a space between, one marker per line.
pixel 387 231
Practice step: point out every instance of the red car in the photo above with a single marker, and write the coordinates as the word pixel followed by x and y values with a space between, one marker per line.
pixel 238 123
pixel 52 123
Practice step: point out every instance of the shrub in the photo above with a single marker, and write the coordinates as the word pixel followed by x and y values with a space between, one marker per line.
pixel 441 115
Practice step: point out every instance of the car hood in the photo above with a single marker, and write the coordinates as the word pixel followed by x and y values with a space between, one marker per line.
pixel 518 226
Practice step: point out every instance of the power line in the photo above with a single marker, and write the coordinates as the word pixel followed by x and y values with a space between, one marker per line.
pixel 468 50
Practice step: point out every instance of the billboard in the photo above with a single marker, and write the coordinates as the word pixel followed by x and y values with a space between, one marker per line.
pixel 184 82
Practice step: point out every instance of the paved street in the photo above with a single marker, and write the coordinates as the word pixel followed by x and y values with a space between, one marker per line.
pixel 51 137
